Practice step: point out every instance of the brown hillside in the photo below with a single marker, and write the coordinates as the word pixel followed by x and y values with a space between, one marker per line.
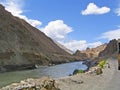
pixel 20 43
pixel 90 53
pixel 110 50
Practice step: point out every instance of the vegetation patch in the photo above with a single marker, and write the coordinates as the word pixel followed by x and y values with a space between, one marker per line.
pixel 80 71
pixel 102 63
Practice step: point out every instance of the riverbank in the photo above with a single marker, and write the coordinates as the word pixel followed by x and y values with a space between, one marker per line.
pixel 11 68
pixel 86 81
pixel 56 71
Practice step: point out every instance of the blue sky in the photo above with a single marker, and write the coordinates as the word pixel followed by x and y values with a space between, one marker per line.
pixel 76 24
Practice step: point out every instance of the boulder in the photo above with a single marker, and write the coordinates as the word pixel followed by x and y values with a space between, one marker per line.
pixel 95 71
pixel 33 84
pixel 75 71
pixel 98 71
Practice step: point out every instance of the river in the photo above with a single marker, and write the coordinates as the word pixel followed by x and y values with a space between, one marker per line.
pixel 56 71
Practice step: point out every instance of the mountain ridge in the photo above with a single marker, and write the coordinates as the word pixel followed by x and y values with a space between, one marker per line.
pixel 90 53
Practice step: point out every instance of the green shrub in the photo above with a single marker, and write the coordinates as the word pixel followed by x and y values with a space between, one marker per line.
pixel 102 63
pixel 80 71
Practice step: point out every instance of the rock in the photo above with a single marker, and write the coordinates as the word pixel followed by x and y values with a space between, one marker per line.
pixel 95 71
pixel 91 71
pixel 33 84
pixel 110 50
pixel 98 71
pixel 108 65
pixel 75 71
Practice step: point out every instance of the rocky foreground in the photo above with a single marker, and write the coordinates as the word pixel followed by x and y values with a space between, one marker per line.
pixel 108 80
pixel 44 83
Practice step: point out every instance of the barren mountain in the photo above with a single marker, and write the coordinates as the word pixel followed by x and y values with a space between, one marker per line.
pixel 20 43
pixel 90 53
pixel 110 50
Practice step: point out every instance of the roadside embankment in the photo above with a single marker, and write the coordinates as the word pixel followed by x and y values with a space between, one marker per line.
pixel 91 81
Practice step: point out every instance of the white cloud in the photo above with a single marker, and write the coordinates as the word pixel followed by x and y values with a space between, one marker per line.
pixel 80 44
pixel 94 9
pixel 57 30
pixel 113 34
pixel 95 44
pixel 117 11
pixel 76 45
pixel 16 8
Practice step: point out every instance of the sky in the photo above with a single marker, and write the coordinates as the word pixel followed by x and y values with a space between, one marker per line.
pixel 76 24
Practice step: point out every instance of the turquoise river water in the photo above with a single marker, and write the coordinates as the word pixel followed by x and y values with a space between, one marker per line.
pixel 56 71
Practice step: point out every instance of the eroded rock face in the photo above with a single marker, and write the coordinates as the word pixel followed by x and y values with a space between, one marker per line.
pixel 110 50
pixel 34 84
pixel 90 53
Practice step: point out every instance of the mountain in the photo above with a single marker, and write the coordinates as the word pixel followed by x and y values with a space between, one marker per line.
pixel 90 53
pixel 23 44
pixel 110 50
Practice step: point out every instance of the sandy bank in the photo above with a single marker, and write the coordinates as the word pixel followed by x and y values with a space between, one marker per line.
pixel 90 82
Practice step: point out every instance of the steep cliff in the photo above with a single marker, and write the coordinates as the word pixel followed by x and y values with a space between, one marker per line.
pixel 110 50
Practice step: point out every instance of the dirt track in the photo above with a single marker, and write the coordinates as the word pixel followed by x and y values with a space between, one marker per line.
pixel 109 80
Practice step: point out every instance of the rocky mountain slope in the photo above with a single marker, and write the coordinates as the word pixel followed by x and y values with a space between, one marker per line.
pixel 110 50
pixel 102 51
pixel 90 53
pixel 20 43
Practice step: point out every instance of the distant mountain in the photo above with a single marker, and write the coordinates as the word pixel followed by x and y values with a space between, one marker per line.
pixel 21 43
pixel 90 53
pixel 103 51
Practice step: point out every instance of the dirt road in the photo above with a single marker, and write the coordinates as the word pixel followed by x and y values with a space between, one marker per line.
pixel 109 80
pixel 114 83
